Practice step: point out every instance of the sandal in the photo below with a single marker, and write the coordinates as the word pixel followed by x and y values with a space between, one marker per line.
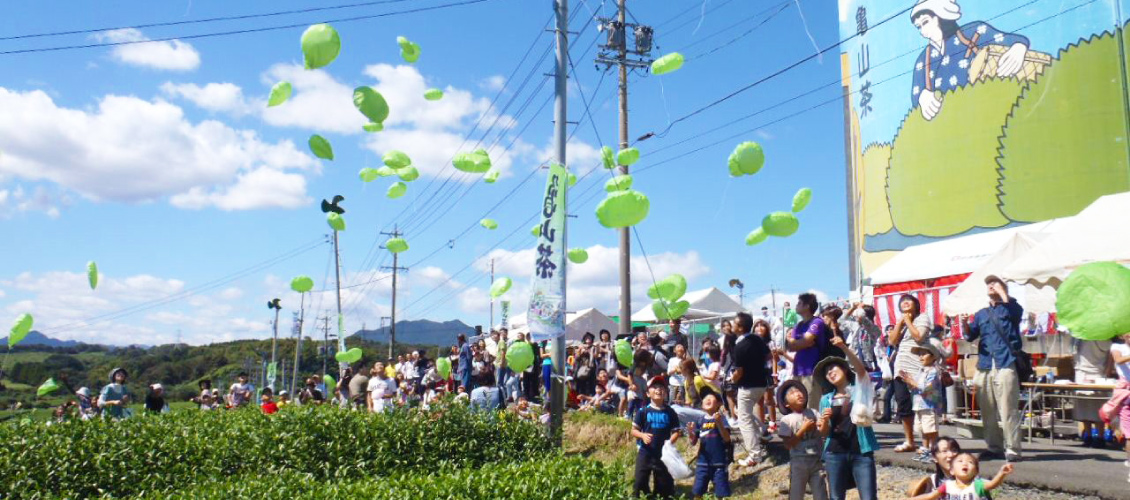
pixel 905 447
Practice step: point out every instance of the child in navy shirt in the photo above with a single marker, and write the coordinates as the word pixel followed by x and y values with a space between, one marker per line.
pixel 654 425
pixel 712 432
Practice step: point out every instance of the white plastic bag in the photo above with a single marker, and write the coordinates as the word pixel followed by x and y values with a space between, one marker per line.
pixel 863 402
pixel 675 463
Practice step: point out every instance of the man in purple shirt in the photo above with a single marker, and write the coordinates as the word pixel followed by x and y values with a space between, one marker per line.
pixel 808 339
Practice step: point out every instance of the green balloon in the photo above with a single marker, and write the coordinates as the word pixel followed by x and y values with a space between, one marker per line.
pixel 368 174
pixel 396 245
pixel 489 224
pixel 48 387
pixel 491 176
pixel 618 183
pixel 536 230
pixel 627 157
pixel 396 190
pixel 385 172
pixel 408 174
pixel 409 51
pixel 476 162
pixel 396 159
pixel 623 209
pixel 351 356
pixel 747 159
pixel 519 356
pixel 667 63
pixel 320 45
pixel 665 310
pixel 623 350
pixel 780 224
pixel 321 147
pixel 302 284
pixel 608 157
pixel 500 286
pixel 433 94
pixel 1092 301
pixel 443 367
pixel 756 236
pixel 20 329
pixel 336 221
pixel 578 255
pixel 330 384
pixel 371 104
pixel 279 94
pixel 670 288
pixel 92 274
pixel 373 127
pixel 801 199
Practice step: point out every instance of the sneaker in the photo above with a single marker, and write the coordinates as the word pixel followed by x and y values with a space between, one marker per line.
pixel 1011 457
pixel 921 457
pixel 748 462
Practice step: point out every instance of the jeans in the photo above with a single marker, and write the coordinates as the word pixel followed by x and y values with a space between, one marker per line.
pixel 998 393
pixel 704 474
pixel 647 465
pixel 843 468
pixel 748 424
pixel 806 470
pixel 465 380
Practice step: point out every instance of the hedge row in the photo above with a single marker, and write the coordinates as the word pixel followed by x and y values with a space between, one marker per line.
pixel 551 476
pixel 162 454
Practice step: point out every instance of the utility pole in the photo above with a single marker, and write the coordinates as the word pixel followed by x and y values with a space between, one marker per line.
pixel 557 354
pixel 325 343
pixel 274 304
pixel 491 325
pixel 773 293
pixel 395 270
pixel 297 344
pixel 615 52
pixel 340 318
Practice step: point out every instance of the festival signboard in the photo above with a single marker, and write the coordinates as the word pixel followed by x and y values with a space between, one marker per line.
pixel 546 315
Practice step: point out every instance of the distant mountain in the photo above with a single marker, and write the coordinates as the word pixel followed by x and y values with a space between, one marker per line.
pixel 36 338
pixel 422 332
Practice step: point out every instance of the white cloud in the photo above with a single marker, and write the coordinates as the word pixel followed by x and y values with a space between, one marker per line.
pixel 493 83
pixel 215 97
pixel 173 55
pixel 769 299
pixel 260 188
pixel 132 150
pixel 319 102
pixel 42 199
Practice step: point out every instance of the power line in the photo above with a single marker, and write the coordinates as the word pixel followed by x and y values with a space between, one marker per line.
pixel 241 32
pixel 201 21
pixel 743 22
pixel 741 36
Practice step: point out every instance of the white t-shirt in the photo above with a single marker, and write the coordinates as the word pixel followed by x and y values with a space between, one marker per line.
pixel 378 389
pixel 1090 360
pixel 1123 368
pixel 674 374
pixel 241 393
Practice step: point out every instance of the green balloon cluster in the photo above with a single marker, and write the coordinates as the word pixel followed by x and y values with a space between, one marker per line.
pixel 666 310
pixel 627 157
pixel 368 174
pixel 371 104
pixel 491 176
pixel 351 356
pixel 618 183
pixel 1092 301
pixel 409 51
pixel 500 286
pixel 396 159
pixel 396 245
pixel 747 159
pixel 578 255
pixel 623 351
pixel 443 367
pixel 801 199
pixel 396 190
pixel 756 236
pixel 623 209
pixel 20 329
pixel 321 147
pixel 519 356
pixel 92 274
pixel 279 94
pixel 608 157
pixel 671 288
pixel 320 46
pixel 433 94
pixel 302 284
pixel 489 224
pixel 667 63
pixel 476 162
pixel 780 224
pixel 336 221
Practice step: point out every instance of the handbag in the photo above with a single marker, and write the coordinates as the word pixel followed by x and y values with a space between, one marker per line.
pixel 1024 371
pixel 947 379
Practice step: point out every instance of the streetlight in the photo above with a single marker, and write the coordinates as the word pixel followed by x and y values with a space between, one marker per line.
pixel 737 283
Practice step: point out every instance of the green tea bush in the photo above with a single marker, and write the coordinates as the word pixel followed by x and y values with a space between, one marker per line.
pixel 551 476
pixel 165 453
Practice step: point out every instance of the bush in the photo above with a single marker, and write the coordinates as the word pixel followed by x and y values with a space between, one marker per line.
pixel 163 454
pixel 553 476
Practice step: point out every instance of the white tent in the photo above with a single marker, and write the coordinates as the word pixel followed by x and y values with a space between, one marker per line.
pixel 576 323
pixel 707 303
pixel 971 295
pixel 1101 232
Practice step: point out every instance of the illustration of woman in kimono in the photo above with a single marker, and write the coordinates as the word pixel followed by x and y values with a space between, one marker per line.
pixel 958 55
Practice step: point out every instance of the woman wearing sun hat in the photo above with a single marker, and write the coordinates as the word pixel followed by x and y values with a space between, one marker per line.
pixel 850 443
pixel 115 397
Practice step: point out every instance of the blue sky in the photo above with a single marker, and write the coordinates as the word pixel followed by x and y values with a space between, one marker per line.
pixel 160 162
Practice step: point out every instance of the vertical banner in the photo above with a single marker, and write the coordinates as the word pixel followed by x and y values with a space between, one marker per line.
pixel 505 319
pixel 546 316
pixel 272 373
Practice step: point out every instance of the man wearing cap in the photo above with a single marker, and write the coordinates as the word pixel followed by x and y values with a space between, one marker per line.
pixel 998 388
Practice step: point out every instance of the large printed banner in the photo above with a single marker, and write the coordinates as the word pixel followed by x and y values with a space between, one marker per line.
pixel 965 116
pixel 546 316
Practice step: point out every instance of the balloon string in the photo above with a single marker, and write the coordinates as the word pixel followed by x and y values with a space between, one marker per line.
pixel 803 22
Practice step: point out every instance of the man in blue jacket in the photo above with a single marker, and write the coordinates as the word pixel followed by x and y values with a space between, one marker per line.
pixel 998 388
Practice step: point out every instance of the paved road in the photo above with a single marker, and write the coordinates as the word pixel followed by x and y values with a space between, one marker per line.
pixel 1066 467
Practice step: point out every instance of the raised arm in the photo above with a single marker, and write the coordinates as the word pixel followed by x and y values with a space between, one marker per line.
pixel 857 365
pixel 996 481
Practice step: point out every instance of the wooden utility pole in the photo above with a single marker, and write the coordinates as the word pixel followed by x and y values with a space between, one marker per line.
pixel 395 270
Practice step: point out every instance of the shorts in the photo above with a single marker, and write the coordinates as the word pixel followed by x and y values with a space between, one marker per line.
pixel 904 400
pixel 926 422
